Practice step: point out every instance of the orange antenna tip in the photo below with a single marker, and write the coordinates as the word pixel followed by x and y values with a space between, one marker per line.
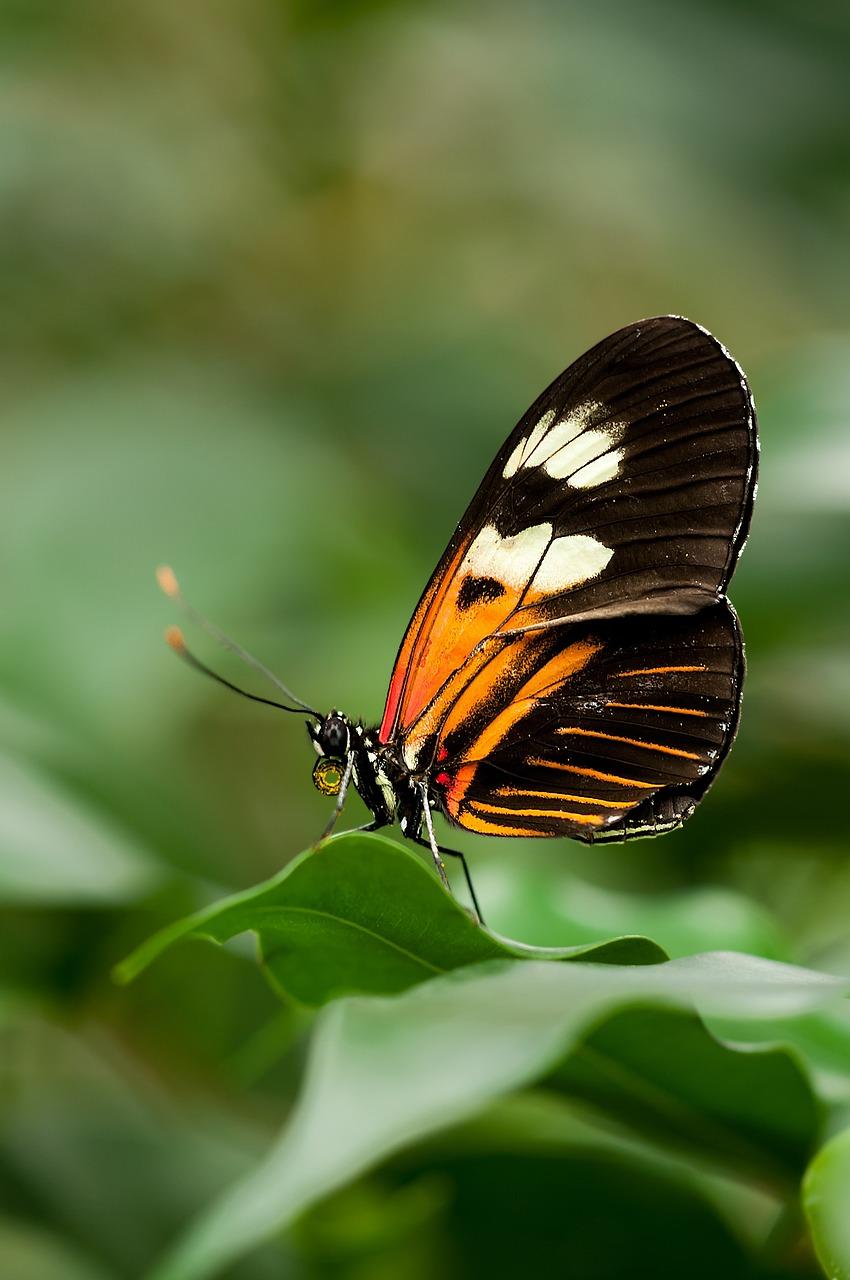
pixel 167 580
pixel 174 639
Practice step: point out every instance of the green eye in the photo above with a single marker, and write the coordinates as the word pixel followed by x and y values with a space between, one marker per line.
pixel 327 776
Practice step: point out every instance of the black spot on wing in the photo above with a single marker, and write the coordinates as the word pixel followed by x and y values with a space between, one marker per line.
pixel 475 590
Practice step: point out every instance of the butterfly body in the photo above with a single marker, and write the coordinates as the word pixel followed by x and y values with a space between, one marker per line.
pixel 574 666
pixel 390 791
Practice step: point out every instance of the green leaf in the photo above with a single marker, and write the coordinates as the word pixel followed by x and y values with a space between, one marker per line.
pixel 362 914
pixel 821 1040
pixel 660 1072
pixel 826 1199
pixel 385 1072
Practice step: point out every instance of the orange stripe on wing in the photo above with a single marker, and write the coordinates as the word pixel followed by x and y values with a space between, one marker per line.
pixel 564 664
pixel 472 822
pixel 557 795
pixel 588 819
pixel 653 671
pixel 561 667
pixel 481 684
pixel 595 773
pixel 649 706
pixel 632 742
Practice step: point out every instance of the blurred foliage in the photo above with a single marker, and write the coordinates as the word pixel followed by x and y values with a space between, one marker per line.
pixel 267 266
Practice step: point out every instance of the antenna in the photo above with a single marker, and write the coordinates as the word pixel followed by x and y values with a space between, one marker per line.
pixel 168 583
pixel 175 640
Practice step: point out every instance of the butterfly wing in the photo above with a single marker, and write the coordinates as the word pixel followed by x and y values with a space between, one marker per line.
pixel 626 489
pixel 593 731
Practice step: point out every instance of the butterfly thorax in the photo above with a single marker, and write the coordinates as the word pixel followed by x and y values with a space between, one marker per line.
pixel 384 784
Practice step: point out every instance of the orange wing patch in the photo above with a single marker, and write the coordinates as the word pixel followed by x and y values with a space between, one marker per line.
pixel 551 674
pixel 451 620
pixel 491 581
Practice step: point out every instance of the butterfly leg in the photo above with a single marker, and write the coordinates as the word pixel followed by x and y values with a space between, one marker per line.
pixel 374 825
pixel 340 799
pixel 431 842
pixel 438 849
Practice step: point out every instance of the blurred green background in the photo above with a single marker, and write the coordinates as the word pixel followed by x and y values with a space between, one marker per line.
pixel 278 279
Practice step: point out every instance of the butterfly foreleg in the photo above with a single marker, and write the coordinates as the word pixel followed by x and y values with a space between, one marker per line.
pixel 437 850
pixel 374 825
pixel 431 842
pixel 340 799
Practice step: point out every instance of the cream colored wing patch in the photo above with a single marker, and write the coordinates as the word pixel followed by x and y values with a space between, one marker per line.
pixel 511 560
pixel 570 560
pixel 579 448
pixel 532 559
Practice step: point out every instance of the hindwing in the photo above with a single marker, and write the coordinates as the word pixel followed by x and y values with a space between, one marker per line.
pixel 618 730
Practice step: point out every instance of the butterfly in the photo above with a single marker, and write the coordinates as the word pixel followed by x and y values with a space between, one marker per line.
pixel 574 666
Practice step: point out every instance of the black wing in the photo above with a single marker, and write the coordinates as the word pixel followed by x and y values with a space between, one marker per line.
pixel 626 489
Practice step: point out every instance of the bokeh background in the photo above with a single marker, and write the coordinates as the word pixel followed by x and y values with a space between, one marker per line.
pixel 278 278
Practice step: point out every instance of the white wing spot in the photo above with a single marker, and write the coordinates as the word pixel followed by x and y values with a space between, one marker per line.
pixel 540 431
pixel 586 448
pixel 512 560
pixel 561 434
pixel 513 461
pixel 571 449
pixel 571 560
pixel 528 444
pixel 603 468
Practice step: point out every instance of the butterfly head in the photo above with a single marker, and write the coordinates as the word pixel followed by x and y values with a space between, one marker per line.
pixel 331 736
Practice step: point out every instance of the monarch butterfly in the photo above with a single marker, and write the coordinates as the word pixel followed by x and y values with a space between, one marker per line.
pixel 574 667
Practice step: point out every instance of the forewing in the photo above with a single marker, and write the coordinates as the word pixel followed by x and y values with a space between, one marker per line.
pixel 619 732
pixel 626 489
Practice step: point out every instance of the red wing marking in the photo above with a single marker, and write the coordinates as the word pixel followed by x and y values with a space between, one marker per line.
pixel 457 788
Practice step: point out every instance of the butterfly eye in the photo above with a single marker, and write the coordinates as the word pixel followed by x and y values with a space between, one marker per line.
pixel 333 736
pixel 327 776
